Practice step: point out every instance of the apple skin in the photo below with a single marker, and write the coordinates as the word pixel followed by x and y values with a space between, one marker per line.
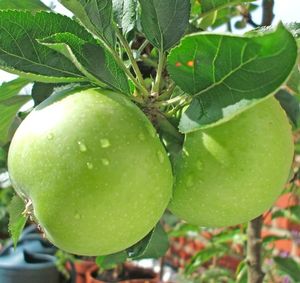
pixel 97 174
pixel 233 172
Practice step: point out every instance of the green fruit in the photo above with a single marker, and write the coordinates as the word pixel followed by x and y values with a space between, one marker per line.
pixel 97 174
pixel 233 172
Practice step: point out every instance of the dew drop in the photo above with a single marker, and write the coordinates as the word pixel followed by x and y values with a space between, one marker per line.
pixel 82 146
pixel 105 143
pixel 50 136
pixel 141 137
pixel 90 165
pixel 105 161
pixel 77 216
pixel 161 157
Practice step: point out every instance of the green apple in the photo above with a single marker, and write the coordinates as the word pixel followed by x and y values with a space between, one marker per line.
pixel 94 169
pixel 231 173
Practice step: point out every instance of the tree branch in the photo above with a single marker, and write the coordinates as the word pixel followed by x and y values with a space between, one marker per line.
pixel 268 15
pixel 255 273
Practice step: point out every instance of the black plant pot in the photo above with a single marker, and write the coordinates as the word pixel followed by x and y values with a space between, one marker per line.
pixel 33 260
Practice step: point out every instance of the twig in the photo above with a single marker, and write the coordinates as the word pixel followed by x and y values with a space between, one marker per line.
pixel 254 242
pixel 268 14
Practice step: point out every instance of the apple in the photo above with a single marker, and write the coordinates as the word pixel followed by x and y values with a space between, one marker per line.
pixel 233 172
pixel 94 169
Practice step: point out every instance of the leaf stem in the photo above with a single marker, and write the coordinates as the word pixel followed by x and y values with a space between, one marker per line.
pixel 142 47
pixel 131 58
pixel 161 64
pixel 172 101
pixel 168 92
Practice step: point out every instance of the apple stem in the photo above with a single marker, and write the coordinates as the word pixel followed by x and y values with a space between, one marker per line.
pixel 254 242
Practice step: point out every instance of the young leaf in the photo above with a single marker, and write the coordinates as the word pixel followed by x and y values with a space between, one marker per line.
pixel 33 5
pixel 164 21
pixel 125 14
pixel 10 103
pixel 204 256
pixel 153 245
pixel 226 74
pixel 17 220
pixel 84 54
pixel 157 246
pixel 21 54
pixel 94 15
pixel 208 6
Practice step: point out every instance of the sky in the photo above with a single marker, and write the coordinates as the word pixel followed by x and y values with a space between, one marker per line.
pixel 284 10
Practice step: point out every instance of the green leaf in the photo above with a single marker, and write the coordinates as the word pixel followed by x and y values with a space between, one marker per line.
pixel 292 213
pixel 153 245
pixel 33 5
pixel 226 235
pixel 125 14
pixel 164 21
pixel 208 6
pixel 156 246
pixel 290 104
pixel 84 54
pixel 3 154
pixel 216 274
pixel 10 103
pixel 242 275
pixel 184 229
pixel 207 21
pixel 204 256
pixel 17 220
pixel 3 157
pixel 272 238
pixel 110 261
pixel 293 83
pixel 95 15
pixel 227 74
pixel 21 54
pixel 288 266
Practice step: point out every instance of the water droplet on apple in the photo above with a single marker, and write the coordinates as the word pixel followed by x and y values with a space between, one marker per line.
pixel 82 146
pixel 105 161
pixel 105 143
pixel 141 137
pixel 50 136
pixel 90 165
pixel 77 216
pixel 160 156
